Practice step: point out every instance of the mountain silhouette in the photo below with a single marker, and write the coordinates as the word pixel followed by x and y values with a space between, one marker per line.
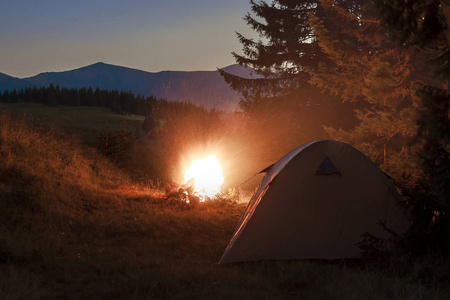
pixel 9 83
pixel 205 88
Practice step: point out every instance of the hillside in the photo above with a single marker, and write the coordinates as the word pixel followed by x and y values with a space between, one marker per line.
pixel 206 88
pixel 87 123
pixel 72 226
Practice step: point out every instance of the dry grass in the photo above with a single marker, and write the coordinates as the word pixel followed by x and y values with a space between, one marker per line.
pixel 86 122
pixel 73 227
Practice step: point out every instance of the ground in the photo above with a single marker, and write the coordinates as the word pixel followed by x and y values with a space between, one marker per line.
pixel 75 226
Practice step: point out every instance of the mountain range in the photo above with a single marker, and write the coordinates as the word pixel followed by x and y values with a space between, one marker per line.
pixel 206 88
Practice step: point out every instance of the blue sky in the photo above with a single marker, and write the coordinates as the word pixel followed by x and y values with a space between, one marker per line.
pixel 152 35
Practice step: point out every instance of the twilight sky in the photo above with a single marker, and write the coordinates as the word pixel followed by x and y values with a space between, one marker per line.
pixel 151 35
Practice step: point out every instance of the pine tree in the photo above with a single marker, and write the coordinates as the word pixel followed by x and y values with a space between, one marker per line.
pixel 424 25
pixel 285 48
pixel 50 96
pixel 363 65
pixel 90 98
pixel 13 95
pixel 283 107
pixel 5 97
pixel 98 100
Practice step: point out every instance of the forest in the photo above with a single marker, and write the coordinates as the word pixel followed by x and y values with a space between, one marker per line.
pixel 390 57
pixel 119 102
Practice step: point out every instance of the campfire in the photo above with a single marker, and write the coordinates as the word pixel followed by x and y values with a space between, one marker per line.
pixel 204 178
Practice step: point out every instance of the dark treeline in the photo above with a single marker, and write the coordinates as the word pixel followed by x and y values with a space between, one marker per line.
pixel 391 56
pixel 119 102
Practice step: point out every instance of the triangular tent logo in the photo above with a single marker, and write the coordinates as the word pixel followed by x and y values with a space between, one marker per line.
pixel 327 168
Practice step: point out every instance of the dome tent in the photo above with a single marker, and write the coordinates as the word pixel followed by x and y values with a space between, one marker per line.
pixel 315 203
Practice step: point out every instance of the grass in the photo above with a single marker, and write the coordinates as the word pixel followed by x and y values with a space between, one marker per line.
pixel 85 122
pixel 72 226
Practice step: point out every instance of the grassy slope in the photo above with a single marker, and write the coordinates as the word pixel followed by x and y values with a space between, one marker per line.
pixel 86 122
pixel 73 227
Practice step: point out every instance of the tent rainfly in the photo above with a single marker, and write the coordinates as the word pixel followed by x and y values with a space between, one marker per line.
pixel 315 203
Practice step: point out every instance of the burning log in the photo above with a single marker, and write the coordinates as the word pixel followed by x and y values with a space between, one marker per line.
pixel 184 194
pixel 202 182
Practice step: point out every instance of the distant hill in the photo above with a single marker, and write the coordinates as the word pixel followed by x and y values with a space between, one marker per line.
pixel 206 88
pixel 9 83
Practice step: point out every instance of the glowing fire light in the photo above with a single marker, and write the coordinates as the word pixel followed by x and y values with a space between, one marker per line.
pixel 207 175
